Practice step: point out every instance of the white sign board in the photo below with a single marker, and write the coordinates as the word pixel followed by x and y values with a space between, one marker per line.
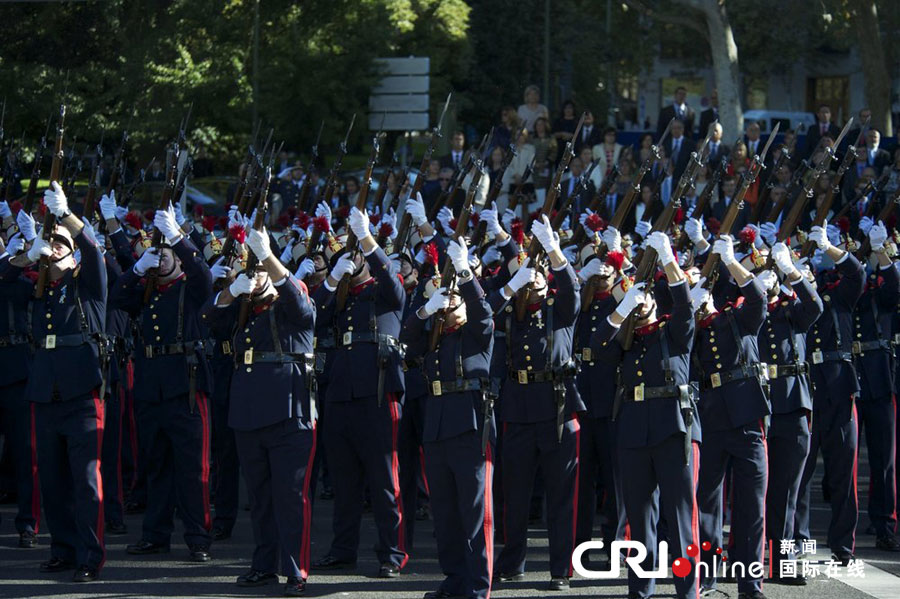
pixel 401 96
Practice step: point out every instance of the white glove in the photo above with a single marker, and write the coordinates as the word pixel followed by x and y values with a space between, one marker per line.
pixel 121 212
pixel 768 278
pixel 444 216
pixel 89 231
pixel 26 225
pixel 571 253
pixel 694 229
pixel 819 236
pixel 834 234
pixel 359 223
pixel 508 217
pixel 5 212
pixel 15 244
pixel 491 255
pixel 439 300
pixel 307 267
pixel 108 205
pixel 55 200
pixel 724 247
pixel 583 217
pixel 642 227
pixel 234 217
pixel 543 230
pixel 242 285
pixel 458 253
pixel 522 277
pixel 699 295
pixel 179 215
pixel 489 217
pixel 416 209
pixel 758 242
pixel 865 224
pixel 323 209
pixel 877 236
pixel 344 267
pixel 287 252
pixel 258 241
pixel 41 247
pixel 149 259
pixel 612 239
pixel 659 241
pixel 164 220
pixel 593 268
pixel 564 226
pixel 390 218
pixel 633 298
pixel 219 270
pixel 781 255
pixel 767 231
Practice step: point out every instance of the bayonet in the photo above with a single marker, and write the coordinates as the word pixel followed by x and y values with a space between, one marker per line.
pixel 440 122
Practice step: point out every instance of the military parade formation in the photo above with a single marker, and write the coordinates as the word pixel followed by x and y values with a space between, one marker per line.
pixel 655 361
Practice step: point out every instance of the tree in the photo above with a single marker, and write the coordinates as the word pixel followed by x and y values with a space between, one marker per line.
pixel 875 71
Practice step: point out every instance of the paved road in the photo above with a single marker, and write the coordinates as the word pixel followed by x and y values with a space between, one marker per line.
pixel 170 575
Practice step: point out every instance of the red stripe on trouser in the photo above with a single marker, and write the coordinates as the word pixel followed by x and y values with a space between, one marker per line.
pixel 35 482
pixel 204 458
pixel 422 466
pixel 489 514
pixel 855 467
pixel 575 494
pixel 395 475
pixel 307 509
pixel 762 551
pixel 695 512
pixel 98 408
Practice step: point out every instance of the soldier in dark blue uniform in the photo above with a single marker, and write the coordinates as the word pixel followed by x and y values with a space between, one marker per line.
pixel 172 382
pixel 793 307
pixel 363 403
pixel 657 431
pixel 272 410
pixel 458 428
pixel 733 410
pixel 15 410
pixel 539 404
pixel 873 353
pixel 835 388
pixel 65 388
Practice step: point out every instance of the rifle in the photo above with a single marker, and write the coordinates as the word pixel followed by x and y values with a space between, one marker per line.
pixel 90 198
pixel 757 210
pixel 383 185
pixel 580 186
pixel 883 217
pixel 156 240
pixel 535 250
pixel 49 219
pixel 402 192
pixel 113 179
pixel 248 164
pixel 516 196
pixel 579 236
pixel 139 180
pixel 303 200
pixel 247 189
pixel 344 285
pixel 406 221
pixel 494 193
pixel 710 268
pixel 258 224
pixel 872 186
pixel 332 182
pixel 458 177
pixel 703 201
pixel 793 185
pixel 36 170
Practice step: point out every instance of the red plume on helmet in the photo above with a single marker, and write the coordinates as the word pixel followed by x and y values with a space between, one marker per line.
pixel 431 254
pixel 16 207
pixel 302 219
pixel 321 224
pixel 237 233
pixel 198 210
pixel 343 211
pixel 616 260
pixel 292 212
pixel 149 215
pixel 475 219
pixel 713 225
pixel 747 236
pixel 385 230
pixel 222 222
pixel 374 219
pixel 284 220
pixel 595 222
pixel 454 222
pixel 843 224
pixel 133 220
pixel 678 217
pixel 208 222
pixel 517 231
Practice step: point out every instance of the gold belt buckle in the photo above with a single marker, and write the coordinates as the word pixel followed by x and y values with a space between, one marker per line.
pixel 586 354
pixel 773 371
pixel 639 392
pixel 248 356
pixel 856 347
pixel 435 388
pixel 817 357
pixel 897 339
pixel 50 342
pixel 226 348
pixel 148 351
pixel 347 339
pixel 716 380
pixel 315 342
pixel 523 377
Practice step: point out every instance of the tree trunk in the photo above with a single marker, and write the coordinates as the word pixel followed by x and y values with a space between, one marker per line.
pixel 725 66
pixel 871 53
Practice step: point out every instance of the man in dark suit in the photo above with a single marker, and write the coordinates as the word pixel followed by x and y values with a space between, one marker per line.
pixel 569 185
pixel 718 151
pixel 456 156
pixel 823 127
pixel 853 135
pixel 590 135
pixel 678 148
pixel 678 109
pixel 711 114
pixel 876 156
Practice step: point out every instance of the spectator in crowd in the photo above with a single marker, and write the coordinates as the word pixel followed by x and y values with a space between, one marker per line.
pixel 852 137
pixel 893 182
pixel 545 152
pixel 432 186
pixel 455 159
pixel 644 147
pixel 710 115
pixel 495 162
pixel 679 109
pixel 876 156
pixel 564 126
pixel 607 153
pixel 718 151
pixel 754 144
pixel 823 127
pixel 516 168
pixel 509 122
pixel 678 148
pixel 587 158
pixel 532 109
pixel 590 136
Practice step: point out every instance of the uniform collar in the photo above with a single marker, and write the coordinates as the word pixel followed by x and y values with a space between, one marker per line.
pixel 163 287
pixel 648 329
pixel 359 288
pixel 602 295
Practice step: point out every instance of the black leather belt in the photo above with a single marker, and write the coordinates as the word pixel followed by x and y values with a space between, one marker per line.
pixel 270 357
pixel 55 341
pixel 777 371
pixel 14 340
pixel 409 364
pixel 819 356
pixel 717 379
pixel 351 337
pixel 324 342
pixel 860 347
pixel 171 349
pixel 642 392
pixel 438 388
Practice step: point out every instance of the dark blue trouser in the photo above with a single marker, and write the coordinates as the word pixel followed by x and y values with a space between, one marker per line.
pixel 361 439
pixel 411 457
pixel 788 442
pixel 177 441
pixel 277 465
pixel 460 480
pixel 19 439
pixel 879 423
pixel 525 447
pixel 320 464
pixel 226 475
pixel 111 463
pixel 835 431
pixel 597 461
pixel 657 476
pixel 69 442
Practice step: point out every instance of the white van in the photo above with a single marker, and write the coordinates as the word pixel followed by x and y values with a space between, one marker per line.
pixel 767 119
